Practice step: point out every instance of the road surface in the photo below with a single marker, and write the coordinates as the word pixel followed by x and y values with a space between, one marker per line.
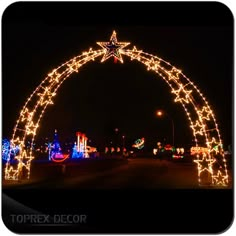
pixel 136 173
pixel 140 173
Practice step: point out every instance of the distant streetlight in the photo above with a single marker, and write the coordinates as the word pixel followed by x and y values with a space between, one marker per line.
pixel 161 113
pixel 123 144
pixel 115 137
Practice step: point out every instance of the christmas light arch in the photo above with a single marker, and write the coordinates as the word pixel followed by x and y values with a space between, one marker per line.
pixel 199 113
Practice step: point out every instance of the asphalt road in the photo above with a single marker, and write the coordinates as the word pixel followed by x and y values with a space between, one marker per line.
pixel 140 173
pixel 136 173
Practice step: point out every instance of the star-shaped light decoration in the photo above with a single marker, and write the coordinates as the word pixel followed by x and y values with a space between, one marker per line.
pixel 31 128
pixel 204 164
pixel 11 174
pixel 74 66
pixel 46 97
pixel 182 95
pixel 26 115
pixel 112 48
pixel 23 157
pixel 212 142
pixel 213 145
pixel 24 160
pixel 152 64
pixel 220 179
pixel 198 128
pixel 17 142
pixel 174 74
pixel 54 76
pixel 134 52
pixel 205 113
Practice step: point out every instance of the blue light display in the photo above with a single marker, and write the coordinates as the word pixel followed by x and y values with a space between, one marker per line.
pixel 5 149
pixel 8 152
pixel 54 149
pixel 75 153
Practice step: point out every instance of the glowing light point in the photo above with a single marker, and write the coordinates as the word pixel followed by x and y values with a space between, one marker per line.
pixel 112 48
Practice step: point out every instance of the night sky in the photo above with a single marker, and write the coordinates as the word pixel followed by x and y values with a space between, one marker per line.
pixel 195 37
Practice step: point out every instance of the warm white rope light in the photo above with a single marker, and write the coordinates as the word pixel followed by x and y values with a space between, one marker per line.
pixel 200 115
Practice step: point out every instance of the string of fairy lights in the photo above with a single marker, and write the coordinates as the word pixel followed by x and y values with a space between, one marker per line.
pixel 199 113
pixel 201 117
pixel 34 109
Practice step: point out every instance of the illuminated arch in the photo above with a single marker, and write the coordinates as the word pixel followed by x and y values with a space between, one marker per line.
pixel 199 113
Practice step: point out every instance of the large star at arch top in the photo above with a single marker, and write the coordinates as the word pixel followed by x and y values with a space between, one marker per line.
pixel 112 48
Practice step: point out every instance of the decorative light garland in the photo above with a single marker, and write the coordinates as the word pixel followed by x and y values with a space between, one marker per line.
pixel 64 157
pixel 205 129
pixel 139 143
pixel 187 94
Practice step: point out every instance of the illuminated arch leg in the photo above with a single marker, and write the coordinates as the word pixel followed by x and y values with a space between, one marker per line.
pixel 200 115
pixel 33 110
